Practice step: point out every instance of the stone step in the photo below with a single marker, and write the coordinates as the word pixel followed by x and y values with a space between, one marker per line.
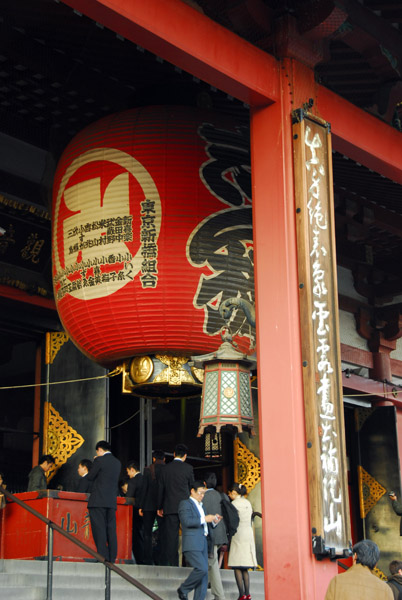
pixel 96 569
pixel 35 593
pixel 26 580
pixel 59 581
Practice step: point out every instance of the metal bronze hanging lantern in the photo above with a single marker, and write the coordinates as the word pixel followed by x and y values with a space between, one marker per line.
pixel 226 392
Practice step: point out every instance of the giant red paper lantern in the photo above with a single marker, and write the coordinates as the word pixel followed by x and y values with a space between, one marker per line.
pixel 152 231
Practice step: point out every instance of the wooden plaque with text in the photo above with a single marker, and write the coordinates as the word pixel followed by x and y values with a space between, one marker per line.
pixel 326 455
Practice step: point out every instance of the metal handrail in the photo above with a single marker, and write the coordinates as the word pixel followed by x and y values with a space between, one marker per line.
pixel 109 566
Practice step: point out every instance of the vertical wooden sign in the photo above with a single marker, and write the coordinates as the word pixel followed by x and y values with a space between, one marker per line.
pixel 326 455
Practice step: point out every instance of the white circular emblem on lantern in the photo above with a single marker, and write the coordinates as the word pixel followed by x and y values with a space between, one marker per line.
pixel 86 236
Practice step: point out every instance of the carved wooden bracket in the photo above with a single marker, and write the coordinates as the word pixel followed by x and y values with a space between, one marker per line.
pixel 381 328
pixel 380 325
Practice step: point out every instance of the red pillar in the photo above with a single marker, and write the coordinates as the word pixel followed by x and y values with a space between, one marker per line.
pixel 290 569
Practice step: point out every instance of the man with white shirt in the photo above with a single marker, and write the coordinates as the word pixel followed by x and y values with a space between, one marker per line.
pixel 194 541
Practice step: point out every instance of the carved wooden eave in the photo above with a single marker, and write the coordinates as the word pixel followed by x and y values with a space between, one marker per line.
pixel 381 328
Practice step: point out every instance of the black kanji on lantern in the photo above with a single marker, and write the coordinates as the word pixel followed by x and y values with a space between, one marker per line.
pixel 227 174
pixel 224 242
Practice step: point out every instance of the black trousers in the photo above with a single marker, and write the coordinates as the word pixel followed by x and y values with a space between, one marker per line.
pixel 170 540
pixel 138 537
pixel 103 525
pixel 152 555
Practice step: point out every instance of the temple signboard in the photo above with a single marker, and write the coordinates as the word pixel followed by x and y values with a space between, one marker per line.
pixel 325 437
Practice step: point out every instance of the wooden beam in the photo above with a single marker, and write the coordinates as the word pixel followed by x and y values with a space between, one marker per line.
pixel 361 136
pixel 372 388
pixel 7 291
pixel 180 34
pixel 356 356
pixel 187 38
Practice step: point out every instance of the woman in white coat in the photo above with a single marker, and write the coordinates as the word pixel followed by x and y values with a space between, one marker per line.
pixel 242 556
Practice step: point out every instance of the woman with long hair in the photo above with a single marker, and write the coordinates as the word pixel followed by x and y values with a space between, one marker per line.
pixel 242 556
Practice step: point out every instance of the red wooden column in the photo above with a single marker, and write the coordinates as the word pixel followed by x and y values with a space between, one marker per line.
pixel 290 569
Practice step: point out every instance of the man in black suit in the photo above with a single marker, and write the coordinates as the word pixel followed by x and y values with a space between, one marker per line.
pixel 149 505
pixel 84 485
pixel 174 486
pixel 194 538
pixel 134 490
pixel 102 503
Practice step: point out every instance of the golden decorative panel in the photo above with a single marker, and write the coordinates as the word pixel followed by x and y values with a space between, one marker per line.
pixel 54 341
pixel 198 373
pixel 370 491
pixel 247 466
pixel 174 374
pixel 60 439
pixel 361 416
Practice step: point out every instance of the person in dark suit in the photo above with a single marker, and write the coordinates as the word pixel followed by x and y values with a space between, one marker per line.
pixel 102 503
pixel 174 485
pixel 149 506
pixel 37 477
pixel 134 490
pixel 194 541
pixel 84 485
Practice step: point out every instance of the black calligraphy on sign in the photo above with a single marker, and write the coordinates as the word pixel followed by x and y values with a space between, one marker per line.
pixel 227 174
pixel 224 243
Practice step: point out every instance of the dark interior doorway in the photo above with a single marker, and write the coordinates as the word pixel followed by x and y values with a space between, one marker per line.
pixel 174 421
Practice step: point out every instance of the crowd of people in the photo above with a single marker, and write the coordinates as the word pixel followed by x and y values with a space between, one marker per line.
pixel 167 500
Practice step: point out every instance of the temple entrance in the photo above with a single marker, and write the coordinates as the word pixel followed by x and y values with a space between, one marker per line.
pixel 138 426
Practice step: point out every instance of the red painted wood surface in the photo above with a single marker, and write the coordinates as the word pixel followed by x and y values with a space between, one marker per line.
pixel 24 536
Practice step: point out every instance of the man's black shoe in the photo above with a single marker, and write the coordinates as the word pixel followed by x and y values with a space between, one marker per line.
pixel 181 594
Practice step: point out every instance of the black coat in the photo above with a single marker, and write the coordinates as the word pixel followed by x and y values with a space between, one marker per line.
pixel 104 474
pixel 84 485
pixel 149 495
pixel 134 488
pixel 174 486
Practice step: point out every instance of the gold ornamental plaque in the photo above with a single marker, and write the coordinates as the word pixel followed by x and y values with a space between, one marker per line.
pixel 141 369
